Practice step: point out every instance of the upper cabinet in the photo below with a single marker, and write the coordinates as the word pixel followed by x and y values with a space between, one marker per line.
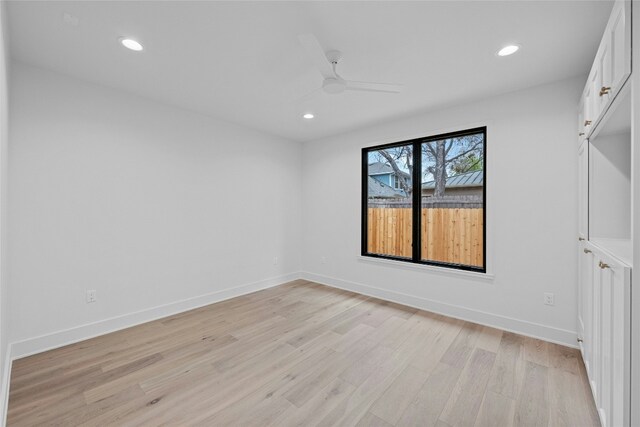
pixel 609 71
pixel 581 133
pixel 619 36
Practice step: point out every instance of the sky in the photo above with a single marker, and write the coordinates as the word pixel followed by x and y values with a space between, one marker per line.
pixel 374 156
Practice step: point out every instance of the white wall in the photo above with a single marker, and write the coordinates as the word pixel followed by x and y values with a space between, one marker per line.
pixel 531 214
pixel 152 205
pixel 145 203
pixel 4 142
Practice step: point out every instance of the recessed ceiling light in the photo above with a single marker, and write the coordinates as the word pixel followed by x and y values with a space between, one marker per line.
pixel 308 116
pixel 508 50
pixel 131 44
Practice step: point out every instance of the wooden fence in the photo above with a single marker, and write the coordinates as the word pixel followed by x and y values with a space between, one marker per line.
pixel 453 235
pixel 468 201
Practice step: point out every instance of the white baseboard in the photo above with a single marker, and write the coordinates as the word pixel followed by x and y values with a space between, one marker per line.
pixel 69 336
pixel 535 330
pixel 79 333
pixel 4 387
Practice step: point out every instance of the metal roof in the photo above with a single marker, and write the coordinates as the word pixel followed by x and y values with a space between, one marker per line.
pixel 468 179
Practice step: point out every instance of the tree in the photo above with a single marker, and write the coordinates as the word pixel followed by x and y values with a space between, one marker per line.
pixel 468 163
pixel 440 158
pixel 398 157
pixel 450 153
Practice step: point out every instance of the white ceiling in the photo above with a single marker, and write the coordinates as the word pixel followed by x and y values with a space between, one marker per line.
pixel 242 62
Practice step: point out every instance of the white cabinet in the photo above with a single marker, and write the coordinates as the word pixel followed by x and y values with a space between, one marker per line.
pixel 583 190
pixel 604 327
pixel 604 65
pixel 585 301
pixel 588 109
pixel 605 249
pixel 609 177
pixel 595 83
pixel 582 134
pixel 619 38
pixel 610 69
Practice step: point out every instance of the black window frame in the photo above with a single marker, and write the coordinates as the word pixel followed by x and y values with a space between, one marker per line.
pixel 417 200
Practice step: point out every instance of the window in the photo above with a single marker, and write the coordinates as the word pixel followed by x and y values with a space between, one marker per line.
pixel 433 210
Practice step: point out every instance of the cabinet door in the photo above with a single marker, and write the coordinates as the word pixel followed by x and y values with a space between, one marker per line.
pixel 582 134
pixel 611 68
pixel 585 303
pixel 619 35
pixel 613 282
pixel 583 190
pixel 588 107
pixel 596 331
pixel 603 76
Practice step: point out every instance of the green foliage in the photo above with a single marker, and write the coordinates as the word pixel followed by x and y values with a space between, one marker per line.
pixel 467 163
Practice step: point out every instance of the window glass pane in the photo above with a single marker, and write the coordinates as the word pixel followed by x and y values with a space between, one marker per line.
pixel 452 198
pixel 389 189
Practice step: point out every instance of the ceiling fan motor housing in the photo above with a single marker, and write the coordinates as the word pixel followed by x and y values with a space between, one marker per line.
pixel 327 61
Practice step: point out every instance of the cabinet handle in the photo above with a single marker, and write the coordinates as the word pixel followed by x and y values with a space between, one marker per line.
pixel 587 122
pixel 581 134
pixel 587 251
pixel 605 90
pixel 580 239
pixel 579 339
pixel 602 265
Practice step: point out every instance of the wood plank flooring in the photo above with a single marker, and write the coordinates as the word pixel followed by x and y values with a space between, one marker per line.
pixel 304 354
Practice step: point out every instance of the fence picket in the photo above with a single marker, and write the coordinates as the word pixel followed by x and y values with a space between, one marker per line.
pixel 452 235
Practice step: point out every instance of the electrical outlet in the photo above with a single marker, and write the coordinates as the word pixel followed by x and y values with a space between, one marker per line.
pixel 549 299
pixel 91 296
pixel 323 260
pixel 275 260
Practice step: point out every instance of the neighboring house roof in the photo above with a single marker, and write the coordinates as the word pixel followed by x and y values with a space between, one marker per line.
pixel 468 179
pixel 381 190
pixel 379 168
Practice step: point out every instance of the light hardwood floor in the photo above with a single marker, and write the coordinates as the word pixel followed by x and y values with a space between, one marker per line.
pixel 304 354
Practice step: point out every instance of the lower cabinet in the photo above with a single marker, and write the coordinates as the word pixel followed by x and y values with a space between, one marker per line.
pixel 604 329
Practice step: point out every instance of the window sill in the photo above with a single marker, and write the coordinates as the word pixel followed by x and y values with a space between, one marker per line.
pixel 430 268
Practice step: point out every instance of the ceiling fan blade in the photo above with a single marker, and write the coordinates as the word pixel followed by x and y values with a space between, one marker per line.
pixel 317 55
pixel 373 87
pixel 309 96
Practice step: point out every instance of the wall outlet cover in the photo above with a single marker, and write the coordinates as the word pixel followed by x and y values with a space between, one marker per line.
pixel 91 296
pixel 549 299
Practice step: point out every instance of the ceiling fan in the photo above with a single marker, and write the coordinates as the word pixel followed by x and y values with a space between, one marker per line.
pixel 326 64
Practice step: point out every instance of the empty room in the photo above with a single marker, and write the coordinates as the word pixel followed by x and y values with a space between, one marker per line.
pixel 319 213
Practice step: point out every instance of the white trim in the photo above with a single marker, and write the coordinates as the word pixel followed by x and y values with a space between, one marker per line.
pixel 426 132
pixel 535 330
pixel 4 387
pixel 446 271
pixel 90 330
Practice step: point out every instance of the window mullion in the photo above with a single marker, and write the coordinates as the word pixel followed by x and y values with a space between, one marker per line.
pixel 417 200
